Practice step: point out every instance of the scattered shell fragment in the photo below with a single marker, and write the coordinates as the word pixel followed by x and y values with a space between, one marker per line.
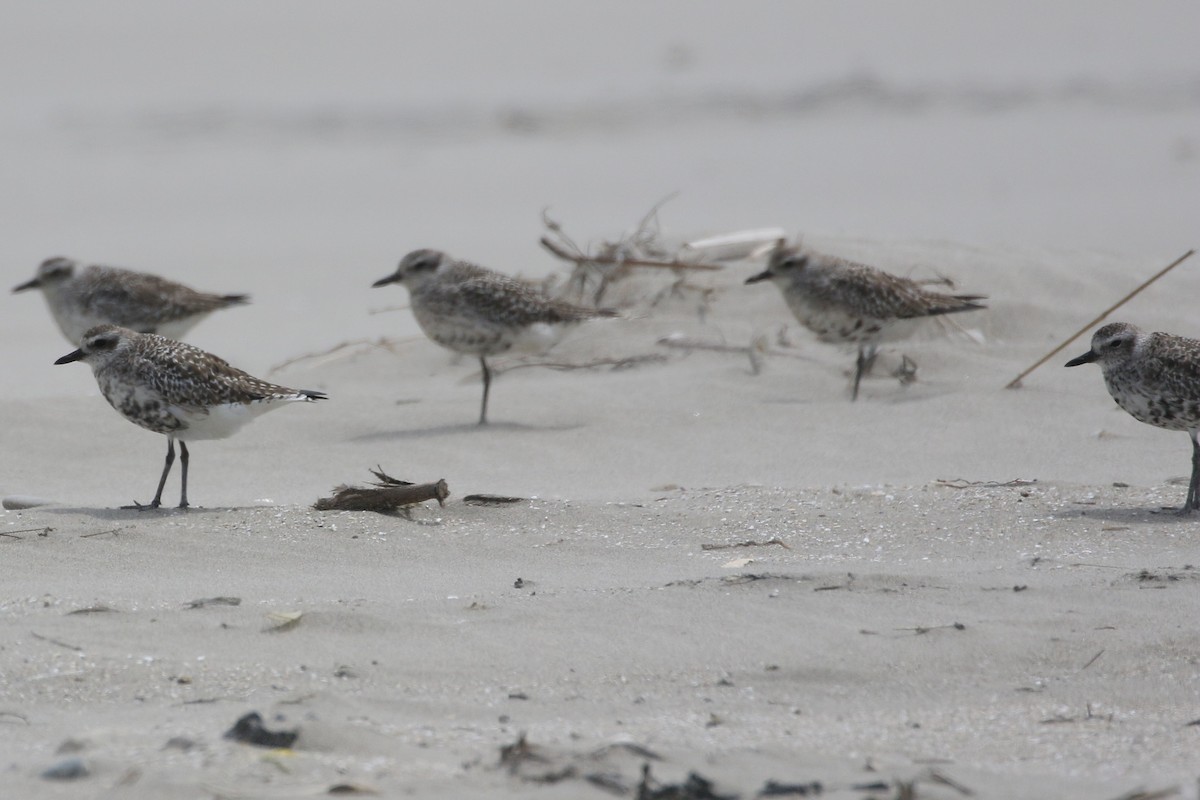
pixel 283 620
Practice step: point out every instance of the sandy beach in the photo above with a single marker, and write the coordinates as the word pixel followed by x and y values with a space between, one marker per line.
pixel 714 562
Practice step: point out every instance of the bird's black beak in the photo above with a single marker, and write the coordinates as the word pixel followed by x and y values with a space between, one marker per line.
pixel 69 357
pixel 762 276
pixel 33 284
pixel 1086 358
pixel 393 278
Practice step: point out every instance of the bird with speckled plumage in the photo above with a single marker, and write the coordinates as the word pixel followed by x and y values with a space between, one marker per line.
pixel 469 309
pixel 177 390
pixel 1156 378
pixel 844 302
pixel 80 298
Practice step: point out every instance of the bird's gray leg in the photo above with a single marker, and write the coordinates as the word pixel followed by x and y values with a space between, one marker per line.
pixel 866 360
pixel 162 481
pixel 487 385
pixel 861 365
pixel 870 351
pixel 183 465
pixel 1193 495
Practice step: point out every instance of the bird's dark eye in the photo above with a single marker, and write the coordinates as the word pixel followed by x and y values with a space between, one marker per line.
pixel 104 343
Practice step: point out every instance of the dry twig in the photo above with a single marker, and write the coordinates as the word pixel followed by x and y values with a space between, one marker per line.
pixel 39 531
pixel 962 483
pixel 100 533
pixel 39 637
pixel 1015 383
pixel 1156 794
pixel 615 260
pixel 563 366
pixel 767 543
pixel 384 342
pixel 936 776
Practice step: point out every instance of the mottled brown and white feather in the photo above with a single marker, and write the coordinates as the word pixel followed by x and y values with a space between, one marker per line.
pixel 80 298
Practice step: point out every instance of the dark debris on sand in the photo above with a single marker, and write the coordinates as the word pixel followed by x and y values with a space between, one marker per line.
pixel 249 729
pixel 624 770
pixel 387 495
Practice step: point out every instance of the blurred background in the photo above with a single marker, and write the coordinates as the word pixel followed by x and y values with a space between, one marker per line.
pixel 296 149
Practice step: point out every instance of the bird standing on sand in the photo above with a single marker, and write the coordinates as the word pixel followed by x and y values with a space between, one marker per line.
pixel 177 390
pixel 82 298
pixel 1156 378
pixel 472 310
pixel 847 303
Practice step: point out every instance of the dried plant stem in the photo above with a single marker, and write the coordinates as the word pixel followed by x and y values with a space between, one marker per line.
pixel 383 341
pixel 579 258
pixel 563 366
pixel 1015 383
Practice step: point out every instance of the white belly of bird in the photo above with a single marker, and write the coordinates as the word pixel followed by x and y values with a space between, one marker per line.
pixel 218 422
pixel 74 322
pixel 537 338
pixel 1162 411
pixel 71 321
pixel 839 327
pixel 490 338
pixel 176 328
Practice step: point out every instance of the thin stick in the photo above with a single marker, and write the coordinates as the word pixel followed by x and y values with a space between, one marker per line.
pixel 628 262
pixel 382 341
pixel 55 641
pixel 563 366
pixel 1015 383
pixel 99 533
pixel 767 543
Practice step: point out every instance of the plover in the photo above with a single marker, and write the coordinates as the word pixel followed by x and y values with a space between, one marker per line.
pixel 81 298
pixel 843 302
pixel 1156 378
pixel 472 310
pixel 177 390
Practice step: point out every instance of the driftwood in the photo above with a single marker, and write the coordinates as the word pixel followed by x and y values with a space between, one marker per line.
pixel 386 495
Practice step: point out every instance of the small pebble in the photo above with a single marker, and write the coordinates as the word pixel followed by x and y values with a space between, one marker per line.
pixel 68 769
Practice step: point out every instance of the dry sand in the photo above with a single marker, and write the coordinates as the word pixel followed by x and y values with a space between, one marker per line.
pixel 957 588
pixel 952 583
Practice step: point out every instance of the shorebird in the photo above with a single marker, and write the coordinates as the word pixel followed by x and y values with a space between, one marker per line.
pixel 472 310
pixel 1156 378
pixel 81 298
pixel 843 302
pixel 177 390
